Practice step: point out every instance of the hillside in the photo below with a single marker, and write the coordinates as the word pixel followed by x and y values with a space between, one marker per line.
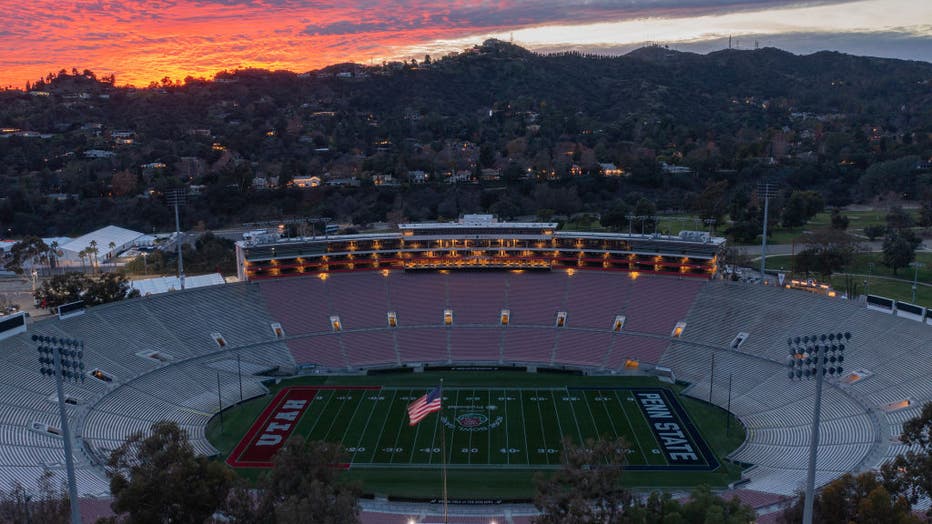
pixel 817 122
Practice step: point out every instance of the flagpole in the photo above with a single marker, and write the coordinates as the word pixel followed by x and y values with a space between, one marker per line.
pixel 443 452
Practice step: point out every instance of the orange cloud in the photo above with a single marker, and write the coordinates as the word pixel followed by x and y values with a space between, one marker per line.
pixel 146 40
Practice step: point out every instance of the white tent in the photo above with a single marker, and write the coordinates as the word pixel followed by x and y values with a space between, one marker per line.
pixel 152 286
pixel 121 238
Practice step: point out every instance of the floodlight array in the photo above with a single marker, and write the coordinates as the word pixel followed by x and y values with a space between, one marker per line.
pixel 804 353
pixel 70 351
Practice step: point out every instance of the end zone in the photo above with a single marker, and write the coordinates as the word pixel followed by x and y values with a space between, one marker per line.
pixel 275 424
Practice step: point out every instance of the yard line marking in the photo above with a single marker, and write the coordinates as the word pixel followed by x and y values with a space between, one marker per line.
pixel 573 411
pixel 540 416
pixel 608 415
pixel 353 416
pixel 433 437
pixel 375 448
pixel 322 411
pixel 449 453
pixel 364 430
pixel 527 452
pixel 401 426
pixel 488 454
pixel 334 421
pixel 634 432
pixel 417 431
pixel 469 447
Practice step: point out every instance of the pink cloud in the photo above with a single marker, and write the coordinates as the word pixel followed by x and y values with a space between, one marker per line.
pixel 145 40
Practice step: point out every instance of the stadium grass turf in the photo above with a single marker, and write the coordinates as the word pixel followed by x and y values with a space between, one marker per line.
pixel 390 458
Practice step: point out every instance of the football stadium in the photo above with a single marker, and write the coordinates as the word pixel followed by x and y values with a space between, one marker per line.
pixel 536 335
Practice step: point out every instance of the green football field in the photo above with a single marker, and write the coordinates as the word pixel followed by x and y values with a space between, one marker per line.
pixel 510 431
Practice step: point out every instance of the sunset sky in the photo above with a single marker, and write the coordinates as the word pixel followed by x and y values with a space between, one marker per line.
pixel 145 40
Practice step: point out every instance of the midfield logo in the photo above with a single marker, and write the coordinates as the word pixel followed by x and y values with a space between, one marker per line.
pixel 471 420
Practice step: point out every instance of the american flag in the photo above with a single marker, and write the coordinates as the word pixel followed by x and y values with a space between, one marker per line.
pixel 424 406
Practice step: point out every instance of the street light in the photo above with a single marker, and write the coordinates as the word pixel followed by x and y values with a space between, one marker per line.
pixel 807 359
pixel 64 359
pixel 916 266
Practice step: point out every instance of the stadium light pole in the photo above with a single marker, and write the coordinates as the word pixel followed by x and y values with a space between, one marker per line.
pixel 220 402
pixel 867 283
pixel 239 373
pixel 766 190
pixel 176 199
pixel 916 266
pixel 63 358
pixel 807 359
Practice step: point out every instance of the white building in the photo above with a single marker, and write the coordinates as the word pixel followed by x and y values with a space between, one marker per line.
pixel 121 239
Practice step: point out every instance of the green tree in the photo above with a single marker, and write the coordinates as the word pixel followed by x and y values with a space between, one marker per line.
pixel 800 207
pixel 158 478
pixel 108 287
pixel 873 231
pixel 302 482
pixel 210 254
pixel 711 203
pixel 839 221
pixel 647 211
pixel 925 213
pixel 615 218
pixel 911 473
pixel 825 251
pixel 94 290
pixel 898 218
pixel 703 506
pixel 899 249
pixel 850 498
pixel 586 489
pixel 61 289
pixel 47 503
pixel 27 251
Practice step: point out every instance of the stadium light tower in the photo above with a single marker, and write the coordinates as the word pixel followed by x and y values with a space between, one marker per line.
pixel 176 198
pixel 916 266
pixel 767 191
pixel 64 359
pixel 808 358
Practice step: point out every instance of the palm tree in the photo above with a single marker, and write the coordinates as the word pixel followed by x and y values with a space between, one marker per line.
pixel 112 247
pixel 92 250
pixel 83 255
pixel 53 255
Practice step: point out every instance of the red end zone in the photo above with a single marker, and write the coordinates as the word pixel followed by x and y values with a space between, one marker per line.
pixel 276 423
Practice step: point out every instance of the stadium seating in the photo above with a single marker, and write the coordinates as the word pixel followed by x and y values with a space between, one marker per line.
pixel 370 348
pixel 656 304
pixel 423 344
pixel 476 344
pixel 477 299
pixel 632 347
pixel 535 298
pixel 360 299
pixel 582 348
pixel 858 429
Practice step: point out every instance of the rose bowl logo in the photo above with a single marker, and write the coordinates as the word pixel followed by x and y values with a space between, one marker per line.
pixel 471 420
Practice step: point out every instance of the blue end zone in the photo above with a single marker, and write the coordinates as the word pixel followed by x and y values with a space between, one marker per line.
pixel 675 434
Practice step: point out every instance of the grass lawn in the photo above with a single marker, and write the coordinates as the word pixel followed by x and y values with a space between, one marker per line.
pixel 857 221
pixel 882 282
pixel 501 427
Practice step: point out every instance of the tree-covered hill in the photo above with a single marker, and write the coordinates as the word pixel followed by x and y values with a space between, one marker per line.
pixel 77 146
